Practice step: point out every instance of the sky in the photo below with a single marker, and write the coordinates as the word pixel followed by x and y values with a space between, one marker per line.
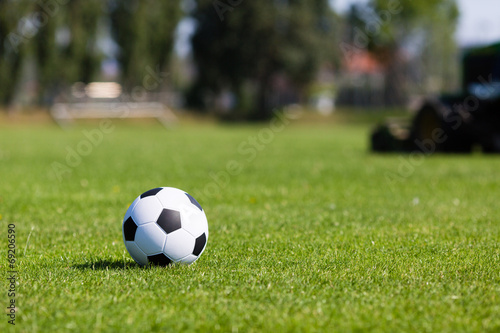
pixel 479 21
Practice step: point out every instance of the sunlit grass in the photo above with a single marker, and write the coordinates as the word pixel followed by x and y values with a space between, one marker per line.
pixel 307 234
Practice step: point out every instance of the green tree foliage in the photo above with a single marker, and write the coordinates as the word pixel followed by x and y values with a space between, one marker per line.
pixel 12 46
pixel 242 46
pixel 435 21
pixel 144 31
pixel 74 57
pixel 386 27
pixel 61 38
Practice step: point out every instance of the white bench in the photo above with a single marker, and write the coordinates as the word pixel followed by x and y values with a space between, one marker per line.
pixel 64 113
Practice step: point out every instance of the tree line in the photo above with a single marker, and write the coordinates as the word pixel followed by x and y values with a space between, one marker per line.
pixel 252 55
pixel 62 37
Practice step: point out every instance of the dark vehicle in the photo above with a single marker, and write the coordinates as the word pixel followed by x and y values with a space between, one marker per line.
pixel 453 123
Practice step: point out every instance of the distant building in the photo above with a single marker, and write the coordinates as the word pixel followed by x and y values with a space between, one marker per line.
pixel 361 81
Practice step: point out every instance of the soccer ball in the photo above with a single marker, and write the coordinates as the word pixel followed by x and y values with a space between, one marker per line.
pixel 165 225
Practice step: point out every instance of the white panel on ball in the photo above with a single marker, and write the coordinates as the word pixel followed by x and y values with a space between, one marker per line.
pixel 150 238
pixel 172 198
pixel 196 225
pixel 189 259
pixel 136 253
pixel 131 208
pixel 179 244
pixel 147 210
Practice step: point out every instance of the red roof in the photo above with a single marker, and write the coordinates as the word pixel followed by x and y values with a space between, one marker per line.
pixel 363 62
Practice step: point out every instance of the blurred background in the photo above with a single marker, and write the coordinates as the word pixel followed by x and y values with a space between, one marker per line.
pixel 237 59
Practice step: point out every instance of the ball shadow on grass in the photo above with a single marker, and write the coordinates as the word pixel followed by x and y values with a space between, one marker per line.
pixel 106 264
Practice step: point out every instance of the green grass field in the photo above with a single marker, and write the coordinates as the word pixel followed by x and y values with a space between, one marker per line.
pixel 311 233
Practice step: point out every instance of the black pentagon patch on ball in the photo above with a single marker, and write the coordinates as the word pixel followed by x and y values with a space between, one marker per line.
pixel 159 259
pixel 199 244
pixel 194 202
pixel 169 220
pixel 151 192
pixel 129 229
